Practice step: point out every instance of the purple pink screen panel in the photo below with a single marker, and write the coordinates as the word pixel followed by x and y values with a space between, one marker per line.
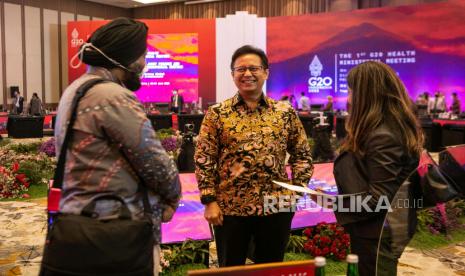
pixel 424 44
pixel 189 223
pixel 172 63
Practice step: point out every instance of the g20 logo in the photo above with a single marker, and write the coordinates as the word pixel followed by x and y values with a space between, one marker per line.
pixel 316 82
pixel 320 82
pixel 75 42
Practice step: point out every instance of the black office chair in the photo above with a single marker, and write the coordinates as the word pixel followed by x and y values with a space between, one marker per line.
pixel 453 134
pixel 161 121
pixel 433 135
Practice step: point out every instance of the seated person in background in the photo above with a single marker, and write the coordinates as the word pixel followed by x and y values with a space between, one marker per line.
pixel 35 106
pixel 455 107
pixel 304 102
pixel 329 104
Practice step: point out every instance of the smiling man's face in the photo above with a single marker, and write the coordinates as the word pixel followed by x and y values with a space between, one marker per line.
pixel 249 75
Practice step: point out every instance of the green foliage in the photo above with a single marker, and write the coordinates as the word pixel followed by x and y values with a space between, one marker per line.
pixel 425 240
pixel 311 142
pixel 29 148
pixel 332 267
pixel 182 270
pixel 34 191
pixel 189 252
pixel 4 142
pixel 425 218
pixel 296 244
pixel 165 133
pixel 38 172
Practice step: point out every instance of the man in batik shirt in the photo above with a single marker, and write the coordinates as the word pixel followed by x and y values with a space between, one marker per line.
pixel 241 148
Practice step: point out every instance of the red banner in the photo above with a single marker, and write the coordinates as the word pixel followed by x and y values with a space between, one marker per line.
pixel 79 32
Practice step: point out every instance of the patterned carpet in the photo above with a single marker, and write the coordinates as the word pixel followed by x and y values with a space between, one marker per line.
pixel 22 235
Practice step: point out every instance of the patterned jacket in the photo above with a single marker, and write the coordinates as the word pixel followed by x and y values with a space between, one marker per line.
pixel 114 148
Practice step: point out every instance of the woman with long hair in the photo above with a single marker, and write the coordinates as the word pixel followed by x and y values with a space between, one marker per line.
pixel 382 148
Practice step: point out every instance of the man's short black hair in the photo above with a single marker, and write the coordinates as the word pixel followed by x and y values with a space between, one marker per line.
pixel 454 94
pixel 248 49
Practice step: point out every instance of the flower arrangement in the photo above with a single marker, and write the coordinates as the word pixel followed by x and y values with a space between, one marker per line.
pixel 12 183
pixel 171 141
pixel 328 240
pixel 48 147
pixel 189 252
pixel 443 218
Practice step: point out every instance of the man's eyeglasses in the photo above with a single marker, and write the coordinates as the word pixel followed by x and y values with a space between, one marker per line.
pixel 243 69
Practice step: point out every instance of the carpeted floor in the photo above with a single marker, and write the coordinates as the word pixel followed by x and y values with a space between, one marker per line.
pixel 23 230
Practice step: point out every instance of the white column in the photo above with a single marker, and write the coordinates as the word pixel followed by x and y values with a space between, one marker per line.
pixel 33 51
pixel 233 32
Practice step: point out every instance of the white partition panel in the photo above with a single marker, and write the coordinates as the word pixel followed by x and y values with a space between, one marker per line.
pixel 13 47
pixel 81 17
pixel 97 18
pixel 65 18
pixel 33 51
pixel 233 32
pixel 3 100
pixel 52 93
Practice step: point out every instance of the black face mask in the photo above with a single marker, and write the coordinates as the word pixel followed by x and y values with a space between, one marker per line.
pixel 132 82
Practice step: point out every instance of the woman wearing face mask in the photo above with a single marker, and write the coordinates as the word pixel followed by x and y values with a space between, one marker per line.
pixel 382 148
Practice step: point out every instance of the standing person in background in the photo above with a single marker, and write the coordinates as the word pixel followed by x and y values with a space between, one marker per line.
pixel 455 107
pixel 114 151
pixel 18 103
pixel 382 148
pixel 437 104
pixel 177 102
pixel 304 102
pixel 241 148
pixel 35 106
pixel 329 105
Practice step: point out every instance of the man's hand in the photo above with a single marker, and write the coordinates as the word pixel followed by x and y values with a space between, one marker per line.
pixel 213 213
pixel 167 214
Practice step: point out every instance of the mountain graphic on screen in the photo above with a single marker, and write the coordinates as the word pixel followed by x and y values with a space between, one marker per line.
pixel 430 70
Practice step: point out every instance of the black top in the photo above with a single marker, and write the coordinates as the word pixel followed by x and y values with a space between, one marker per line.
pixel 381 171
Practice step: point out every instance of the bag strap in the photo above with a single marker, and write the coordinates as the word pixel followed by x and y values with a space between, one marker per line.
pixel 60 169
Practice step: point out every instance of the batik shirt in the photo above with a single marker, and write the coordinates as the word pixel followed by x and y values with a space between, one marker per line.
pixel 240 151
pixel 114 150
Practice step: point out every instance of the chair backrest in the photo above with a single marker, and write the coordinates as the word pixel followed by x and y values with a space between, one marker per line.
pixel 306 267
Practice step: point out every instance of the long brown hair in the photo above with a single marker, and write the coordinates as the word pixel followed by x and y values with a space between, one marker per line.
pixel 379 97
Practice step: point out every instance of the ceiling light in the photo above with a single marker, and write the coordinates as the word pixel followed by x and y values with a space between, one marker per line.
pixel 151 1
pixel 200 2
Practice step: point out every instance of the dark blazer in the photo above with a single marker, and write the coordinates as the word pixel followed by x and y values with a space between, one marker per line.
pixel 381 171
pixel 180 102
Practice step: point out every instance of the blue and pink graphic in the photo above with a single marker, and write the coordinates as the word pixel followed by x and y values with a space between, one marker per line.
pixel 189 223
pixel 424 44
pixel 173 63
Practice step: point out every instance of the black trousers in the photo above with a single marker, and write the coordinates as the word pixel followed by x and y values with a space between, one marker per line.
pixel 269 236
pixel 367 251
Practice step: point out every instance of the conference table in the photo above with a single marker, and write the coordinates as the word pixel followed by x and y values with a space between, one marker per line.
pixel 442 122
pixel 47 125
